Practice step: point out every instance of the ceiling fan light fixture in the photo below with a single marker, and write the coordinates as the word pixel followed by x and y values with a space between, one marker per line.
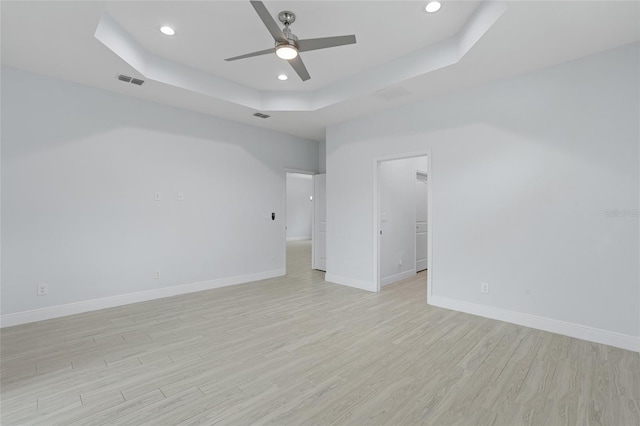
pixel 167 30
pixel 286 51
pixel 433 6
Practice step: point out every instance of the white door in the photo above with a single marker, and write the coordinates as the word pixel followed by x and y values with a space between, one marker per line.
pixel 421 223
pixel 319 222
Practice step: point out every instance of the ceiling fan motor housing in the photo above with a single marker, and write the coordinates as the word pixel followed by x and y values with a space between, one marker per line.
pixel 288 34
pixel 291 38
pixel 291 43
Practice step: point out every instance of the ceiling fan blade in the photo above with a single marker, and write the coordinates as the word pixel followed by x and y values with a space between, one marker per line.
pixel 325 42
pixel 268 20
pixel 249 55
pixel 299 68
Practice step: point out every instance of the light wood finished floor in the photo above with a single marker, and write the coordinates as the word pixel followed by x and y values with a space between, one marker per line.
pixel 297 350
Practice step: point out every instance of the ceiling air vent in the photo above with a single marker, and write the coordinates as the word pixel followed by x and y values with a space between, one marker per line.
pixel 261 115
pixel 392 93
pixel 128 79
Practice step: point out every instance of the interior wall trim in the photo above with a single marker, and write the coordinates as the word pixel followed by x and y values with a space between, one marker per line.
pixel 397 277
pixel 349 282
pixel 58 311
pixel 578 331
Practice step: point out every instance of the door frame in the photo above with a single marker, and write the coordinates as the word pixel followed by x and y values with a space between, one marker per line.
pixel 313 225
pixel 415 237
pixel 284 213
pixel 376 214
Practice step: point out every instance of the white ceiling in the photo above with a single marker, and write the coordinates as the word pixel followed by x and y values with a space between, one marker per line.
pixel 208 32
pixel 57 39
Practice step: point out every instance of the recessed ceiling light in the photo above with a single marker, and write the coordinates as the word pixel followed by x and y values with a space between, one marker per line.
pixel 433 6
pixel 283 77
pixel 167 30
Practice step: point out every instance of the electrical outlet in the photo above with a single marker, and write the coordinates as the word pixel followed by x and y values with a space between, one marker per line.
pixel 42 289
pixel 156 275
pixel 180 196
pixel 157 196
pixel 400 262
pixel 484 287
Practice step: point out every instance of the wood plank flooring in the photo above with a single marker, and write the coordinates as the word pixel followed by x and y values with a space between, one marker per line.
pixel 296 350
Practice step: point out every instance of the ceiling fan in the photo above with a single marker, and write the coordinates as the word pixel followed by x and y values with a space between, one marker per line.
pixel 287 45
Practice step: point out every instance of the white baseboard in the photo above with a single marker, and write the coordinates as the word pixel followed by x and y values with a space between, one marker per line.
pixel 299 238
pixel 349 282
pixel 578 331
pixel 397 277
pixel 24 317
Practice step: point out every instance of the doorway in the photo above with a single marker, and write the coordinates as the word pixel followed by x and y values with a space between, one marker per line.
pixel 305 223
pixel 402 219
pixel 298 220
pixel 422 217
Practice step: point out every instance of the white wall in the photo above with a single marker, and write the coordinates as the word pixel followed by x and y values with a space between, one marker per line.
pixel 80 167
pixel 522 174
pixel 299 206
pixel 322 157
pixel 397 186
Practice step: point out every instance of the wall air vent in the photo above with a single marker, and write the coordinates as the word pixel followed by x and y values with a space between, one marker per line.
pixel 261 115
pixel 128 79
